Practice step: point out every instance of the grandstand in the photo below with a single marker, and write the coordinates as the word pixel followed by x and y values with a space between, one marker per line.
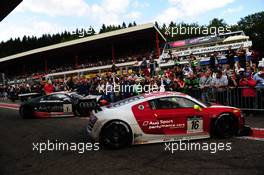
pixel 201 47
pixel 90 54
pixel 7 6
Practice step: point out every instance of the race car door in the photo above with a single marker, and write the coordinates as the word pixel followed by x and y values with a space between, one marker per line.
pixel 176 115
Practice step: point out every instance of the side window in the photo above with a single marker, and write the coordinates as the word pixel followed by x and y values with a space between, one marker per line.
pixel 61 96
pixel 164 103
pixel 171 103
pixel 51 97
pixel 43 98
pixel 185 103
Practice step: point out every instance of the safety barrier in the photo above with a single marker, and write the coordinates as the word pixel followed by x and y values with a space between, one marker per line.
pixel 249 99
pixel 243 98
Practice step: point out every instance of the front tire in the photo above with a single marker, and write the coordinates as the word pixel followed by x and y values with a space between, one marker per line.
pixel 225 126
pixel 116 135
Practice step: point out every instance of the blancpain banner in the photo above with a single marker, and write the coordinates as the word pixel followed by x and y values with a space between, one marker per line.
pixel 204 50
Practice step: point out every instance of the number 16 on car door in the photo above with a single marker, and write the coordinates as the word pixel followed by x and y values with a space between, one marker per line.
pixel 194 124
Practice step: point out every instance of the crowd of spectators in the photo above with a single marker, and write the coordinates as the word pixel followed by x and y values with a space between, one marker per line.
pixel 211 79
pixel 82 64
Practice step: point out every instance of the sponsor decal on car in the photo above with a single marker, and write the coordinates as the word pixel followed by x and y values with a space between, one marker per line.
pixel 160 124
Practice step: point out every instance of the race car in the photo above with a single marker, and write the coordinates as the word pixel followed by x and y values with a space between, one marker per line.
pixel 59 104
pixel 162 117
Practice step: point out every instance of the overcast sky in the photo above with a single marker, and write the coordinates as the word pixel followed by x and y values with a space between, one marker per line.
pixel 35 17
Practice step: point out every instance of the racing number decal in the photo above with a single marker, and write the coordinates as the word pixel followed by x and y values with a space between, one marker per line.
pixel 67 108
pixel 194 124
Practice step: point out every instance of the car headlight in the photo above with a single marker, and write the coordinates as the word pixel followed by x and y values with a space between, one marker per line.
pixel 236 111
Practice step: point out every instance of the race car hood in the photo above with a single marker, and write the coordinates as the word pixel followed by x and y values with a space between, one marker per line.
pixel 221 106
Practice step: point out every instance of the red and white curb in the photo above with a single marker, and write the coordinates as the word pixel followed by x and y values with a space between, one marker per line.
pixel 9 106
pixel 257 134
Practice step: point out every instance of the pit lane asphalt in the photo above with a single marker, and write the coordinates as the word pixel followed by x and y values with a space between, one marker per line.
pixel 17 157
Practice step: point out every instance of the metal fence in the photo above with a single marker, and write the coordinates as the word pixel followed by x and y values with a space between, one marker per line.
pixel 243 98
pixel 248 99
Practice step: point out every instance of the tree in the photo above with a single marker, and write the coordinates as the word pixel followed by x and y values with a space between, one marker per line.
pixel 130 25
pixel 103 29
pixel 124 25
pixel 156 24
pixel 253 26
pixel 217 23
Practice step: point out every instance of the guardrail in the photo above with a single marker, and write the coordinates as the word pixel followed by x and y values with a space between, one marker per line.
pixel 243 98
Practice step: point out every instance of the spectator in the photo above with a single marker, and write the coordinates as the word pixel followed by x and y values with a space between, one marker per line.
pixel 168 73
pixel 194 61
pixel 230 54
pixel 187 70
pixel 248 91
pixel 114 68
pixel 259 78
pixel 213 61
pixel 144 64
pixel 254 67
pixel 232 80
pixel 144 67
pixel 153 66
pixel 177 71
pixel 70 84
pixel 205 84
pixel 191 83
pixel 48 88
pixel 181 84
pixel 241 53
pixel 228 71
pixel 219 83
pixel 239 69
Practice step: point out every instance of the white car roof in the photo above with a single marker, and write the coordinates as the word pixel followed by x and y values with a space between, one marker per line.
pixel 150 96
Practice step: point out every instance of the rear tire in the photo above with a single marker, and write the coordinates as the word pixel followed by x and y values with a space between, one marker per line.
pixel 25 112
pixel 116 135
pixel 225 126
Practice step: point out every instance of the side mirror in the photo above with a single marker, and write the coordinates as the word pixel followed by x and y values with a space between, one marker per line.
pixel 197 107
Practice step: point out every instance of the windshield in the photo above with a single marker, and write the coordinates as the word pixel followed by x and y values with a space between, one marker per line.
pixel 207 104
